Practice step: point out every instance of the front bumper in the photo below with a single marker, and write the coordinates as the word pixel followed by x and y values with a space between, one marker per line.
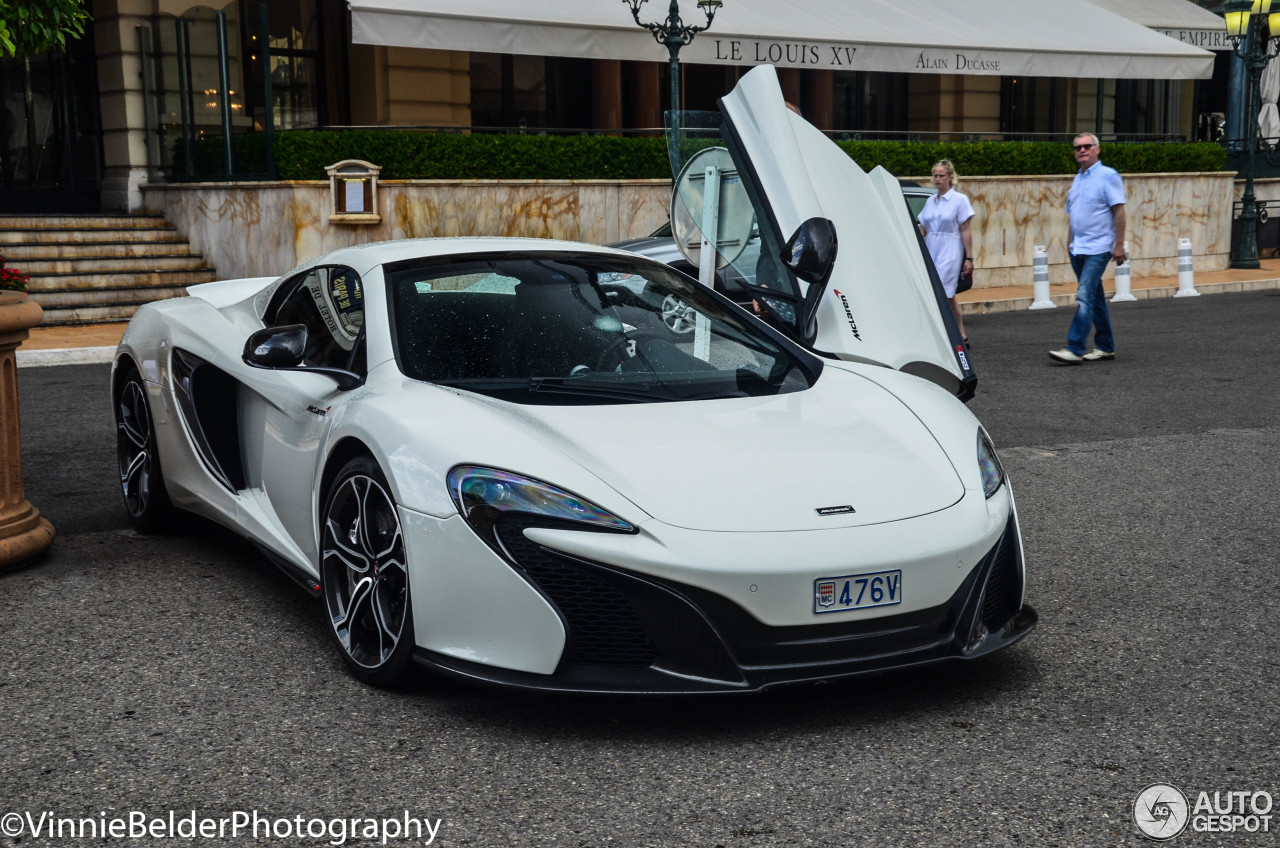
pixel 633 634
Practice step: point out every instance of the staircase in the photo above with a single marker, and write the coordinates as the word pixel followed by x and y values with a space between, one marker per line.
pixel 94 269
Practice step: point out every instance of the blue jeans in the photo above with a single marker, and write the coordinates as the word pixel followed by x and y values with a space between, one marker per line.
pixel 1091 305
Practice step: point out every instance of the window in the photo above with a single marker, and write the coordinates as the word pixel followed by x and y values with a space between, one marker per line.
pixel 329 302
pixel 870 101
pixel 565 328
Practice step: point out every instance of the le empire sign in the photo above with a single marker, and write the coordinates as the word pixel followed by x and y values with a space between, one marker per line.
pixel 849 57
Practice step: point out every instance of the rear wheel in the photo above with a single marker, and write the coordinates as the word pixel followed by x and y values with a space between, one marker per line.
pixel 141 482
pixel 363 575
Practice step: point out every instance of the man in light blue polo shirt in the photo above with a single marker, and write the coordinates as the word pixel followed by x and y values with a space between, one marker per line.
pixel 1095 206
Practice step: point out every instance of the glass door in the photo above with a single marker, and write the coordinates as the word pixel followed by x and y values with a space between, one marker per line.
pixel 50 143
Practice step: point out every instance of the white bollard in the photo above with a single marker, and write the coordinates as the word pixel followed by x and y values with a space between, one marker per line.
pixel 1124 281
pixel 1186 270
pixel 1040 274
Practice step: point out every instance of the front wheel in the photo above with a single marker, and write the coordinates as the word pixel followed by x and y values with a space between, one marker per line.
pixel 363 575
pixel 141 482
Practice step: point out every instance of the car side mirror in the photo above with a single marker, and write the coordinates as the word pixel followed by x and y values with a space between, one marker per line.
pixel 276 347
pixel 810 253
pixel 284 348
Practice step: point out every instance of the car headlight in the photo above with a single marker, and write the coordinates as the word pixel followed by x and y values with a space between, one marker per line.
pixel 484 496
pixel 989 464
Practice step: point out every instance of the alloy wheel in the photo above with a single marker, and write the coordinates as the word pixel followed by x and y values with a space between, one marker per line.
pixel 134 448
pixel 366 584
pixel 678 317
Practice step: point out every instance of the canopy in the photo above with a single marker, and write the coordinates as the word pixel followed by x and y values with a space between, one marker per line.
pixel 1180 19
pixel 1064 38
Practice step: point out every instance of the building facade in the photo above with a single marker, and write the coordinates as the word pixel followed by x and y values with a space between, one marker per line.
pixel 155 80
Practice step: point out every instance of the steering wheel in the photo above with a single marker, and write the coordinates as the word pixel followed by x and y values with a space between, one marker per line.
pixel 621 341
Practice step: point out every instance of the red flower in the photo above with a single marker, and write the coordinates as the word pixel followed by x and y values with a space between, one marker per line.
pixel 11 280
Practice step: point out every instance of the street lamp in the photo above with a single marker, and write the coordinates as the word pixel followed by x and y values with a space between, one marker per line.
pixel 1250 25
pixel 675 34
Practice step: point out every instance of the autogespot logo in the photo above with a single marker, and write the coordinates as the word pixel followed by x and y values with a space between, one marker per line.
pixel 1161 811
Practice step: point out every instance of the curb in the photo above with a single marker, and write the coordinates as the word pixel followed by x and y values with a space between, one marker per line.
pixel 1013 304
pixel 65 356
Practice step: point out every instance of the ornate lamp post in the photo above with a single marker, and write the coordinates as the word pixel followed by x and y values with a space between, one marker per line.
pixel 674 33
pixel 1250 25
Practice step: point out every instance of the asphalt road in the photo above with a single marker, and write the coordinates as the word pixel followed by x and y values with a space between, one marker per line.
pixel 184 673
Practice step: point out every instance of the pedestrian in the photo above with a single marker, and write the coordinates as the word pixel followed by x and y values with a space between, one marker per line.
pixel 1095 211
pixel 944 221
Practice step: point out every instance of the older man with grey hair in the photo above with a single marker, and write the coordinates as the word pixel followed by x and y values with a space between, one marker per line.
pixel 1095 207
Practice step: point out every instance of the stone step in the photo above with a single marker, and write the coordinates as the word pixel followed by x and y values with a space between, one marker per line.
pixel 109 280
pixel 97 222
pixel 88 315
pixel 52 236
pixel 124 264
pixel 105 297
pixel 19 255
pixel 89 269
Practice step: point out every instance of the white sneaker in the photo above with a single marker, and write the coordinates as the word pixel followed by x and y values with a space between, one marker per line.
pixel 1095 355
pixel 1066 356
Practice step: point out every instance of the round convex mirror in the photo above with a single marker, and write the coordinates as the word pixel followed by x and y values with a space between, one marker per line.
pixel 688 200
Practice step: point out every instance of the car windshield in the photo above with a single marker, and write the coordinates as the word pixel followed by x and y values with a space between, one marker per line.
pixel 571 328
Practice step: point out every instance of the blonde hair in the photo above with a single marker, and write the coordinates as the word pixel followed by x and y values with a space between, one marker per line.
pixel 950 169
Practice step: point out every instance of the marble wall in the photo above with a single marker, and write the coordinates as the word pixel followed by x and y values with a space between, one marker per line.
pixel 262 229
pixel 1014 214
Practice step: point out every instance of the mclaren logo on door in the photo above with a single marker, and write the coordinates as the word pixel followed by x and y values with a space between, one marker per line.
pixel 848 313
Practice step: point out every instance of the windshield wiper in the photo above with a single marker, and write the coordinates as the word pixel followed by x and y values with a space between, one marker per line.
pixel 584 386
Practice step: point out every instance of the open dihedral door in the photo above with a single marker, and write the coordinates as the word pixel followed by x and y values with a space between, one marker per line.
pixel 882 301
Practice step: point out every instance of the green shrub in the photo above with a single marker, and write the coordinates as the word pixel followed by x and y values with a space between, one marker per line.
pixel 478 156
pixel 403 155
pixel 1030 158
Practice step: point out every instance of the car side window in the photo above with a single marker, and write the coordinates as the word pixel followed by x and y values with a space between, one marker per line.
pixel 329 302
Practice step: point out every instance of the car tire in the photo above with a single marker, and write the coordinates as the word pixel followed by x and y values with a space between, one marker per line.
pixel 364 578
pixel 141 481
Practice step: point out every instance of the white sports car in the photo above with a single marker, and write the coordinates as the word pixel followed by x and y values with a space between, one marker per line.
pixel 492 457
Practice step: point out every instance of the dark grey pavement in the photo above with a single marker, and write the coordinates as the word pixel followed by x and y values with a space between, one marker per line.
pixel 184 673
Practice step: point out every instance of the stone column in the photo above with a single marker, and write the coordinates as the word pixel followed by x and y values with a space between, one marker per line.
pixel 23 533
pixel 606 94
pixel 121 101
pixel 646 102
pixel 789 81
pixel 819 99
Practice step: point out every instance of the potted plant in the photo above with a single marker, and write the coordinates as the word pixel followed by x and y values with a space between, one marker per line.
pixel 23 533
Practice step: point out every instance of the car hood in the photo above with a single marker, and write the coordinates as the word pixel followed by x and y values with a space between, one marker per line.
pixel 779 463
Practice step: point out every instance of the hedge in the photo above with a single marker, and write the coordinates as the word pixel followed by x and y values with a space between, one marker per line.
pixel 303 155
pixel 477 156
pixel 1031 158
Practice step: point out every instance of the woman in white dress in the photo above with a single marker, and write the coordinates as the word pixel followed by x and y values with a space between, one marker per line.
pixel 945 224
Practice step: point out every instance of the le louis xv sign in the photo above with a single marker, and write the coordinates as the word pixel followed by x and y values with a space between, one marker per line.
pixel 793 54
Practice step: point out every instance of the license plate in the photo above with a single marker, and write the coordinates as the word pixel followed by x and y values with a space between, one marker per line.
pixel 857 591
